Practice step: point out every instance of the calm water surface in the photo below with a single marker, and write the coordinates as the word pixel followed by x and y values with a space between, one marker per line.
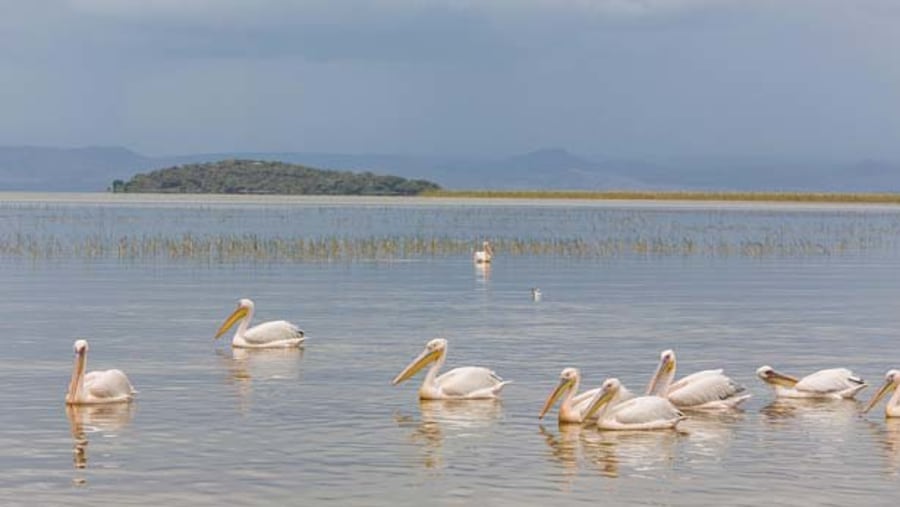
pixel 211 425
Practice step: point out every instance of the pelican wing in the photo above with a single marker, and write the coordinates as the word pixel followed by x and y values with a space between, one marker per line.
pixel 108 384
pixel 466 380
pixel 829 381
pixel 273 331
pixel 644 409
pixel 693 377
pixel 697 389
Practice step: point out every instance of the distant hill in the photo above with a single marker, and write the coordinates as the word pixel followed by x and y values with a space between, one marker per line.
pixel 93 168
pixel 264 177
pixel 65 169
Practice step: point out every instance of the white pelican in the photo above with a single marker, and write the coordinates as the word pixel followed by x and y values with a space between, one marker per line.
pixel 573 407
pixel 484 255
pixel 892 408
pixel 467 382
pixel 835 384
pixel 273 334
pixel 641 413
pixel 110 386
pixel 707 389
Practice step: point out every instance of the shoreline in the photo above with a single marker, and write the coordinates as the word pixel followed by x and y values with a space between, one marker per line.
pixel 675 195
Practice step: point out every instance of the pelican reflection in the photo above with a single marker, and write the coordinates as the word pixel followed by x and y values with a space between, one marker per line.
pixel 887 438
pixel 247 365
pixel 565 447
pixel 87 419
pixel 813 413
pixel 710 433
pixel 448 419
pixel 483 272
pixel 612 453
pixel 637 452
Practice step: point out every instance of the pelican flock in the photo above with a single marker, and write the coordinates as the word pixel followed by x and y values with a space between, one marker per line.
pixel 466 382
pixel 608 407
pixel 110 386
pixel 834 383
pixel 272 334
pixel 707 389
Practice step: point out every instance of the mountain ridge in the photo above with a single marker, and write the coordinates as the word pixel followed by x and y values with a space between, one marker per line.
pixel 94 168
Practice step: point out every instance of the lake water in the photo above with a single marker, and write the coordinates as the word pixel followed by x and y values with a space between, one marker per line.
pixel 734 286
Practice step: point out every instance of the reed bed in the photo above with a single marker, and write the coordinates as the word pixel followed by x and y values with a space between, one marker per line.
pixel 256 248
pixel 351 233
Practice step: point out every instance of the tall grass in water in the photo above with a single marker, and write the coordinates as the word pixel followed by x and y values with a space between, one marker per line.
pixel 351 232
pixel 220 248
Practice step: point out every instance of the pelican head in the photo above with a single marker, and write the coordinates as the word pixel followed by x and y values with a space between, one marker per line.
pixel 73 393
pixel 665 370
pixel 772 377
pixel 434 350
pixel 891 381
pixel 609 391
pixel 568 379
pixel 244 308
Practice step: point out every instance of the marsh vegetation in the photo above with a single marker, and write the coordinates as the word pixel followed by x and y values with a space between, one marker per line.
pixel 318 231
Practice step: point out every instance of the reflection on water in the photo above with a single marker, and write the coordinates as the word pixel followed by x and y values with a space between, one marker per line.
pixel 631 453
pixel 710 433
pixel 86 419
pixel 886 433
pixel 611 453
pixel 564 448
pixel 483 272
pixel 815 414
pixel 246 365
pixel 442 419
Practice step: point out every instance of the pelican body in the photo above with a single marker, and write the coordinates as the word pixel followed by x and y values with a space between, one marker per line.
pixel 707 389
pixel 464 383
pixel 833 384
pixel 96 387
pixel 485 255
pixel 641 413
pixel 892 407
pixel 574 407
pixel 268 335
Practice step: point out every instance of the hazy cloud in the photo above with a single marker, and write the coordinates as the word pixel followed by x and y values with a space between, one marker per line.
pixel 642 78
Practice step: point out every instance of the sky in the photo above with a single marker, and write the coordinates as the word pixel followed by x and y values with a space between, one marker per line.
pixel 647 79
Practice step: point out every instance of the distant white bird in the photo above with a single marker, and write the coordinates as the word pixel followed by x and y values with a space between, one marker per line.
pixel 273 334
pixel 707 389
pixel 485 255
pixel 467 382
pixel 641 413
pixel 574 407
pixel 892 407
pixel 835 383
pixel 110 386
pixel 536 294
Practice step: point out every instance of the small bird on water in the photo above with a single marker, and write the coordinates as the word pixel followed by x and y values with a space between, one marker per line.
pixel 536 294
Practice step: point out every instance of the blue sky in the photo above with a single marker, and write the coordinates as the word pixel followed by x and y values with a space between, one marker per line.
pixel 650 79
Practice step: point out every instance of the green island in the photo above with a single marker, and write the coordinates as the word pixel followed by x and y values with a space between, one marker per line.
pixel 261 177
pixel 675 195
pixel 269 177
